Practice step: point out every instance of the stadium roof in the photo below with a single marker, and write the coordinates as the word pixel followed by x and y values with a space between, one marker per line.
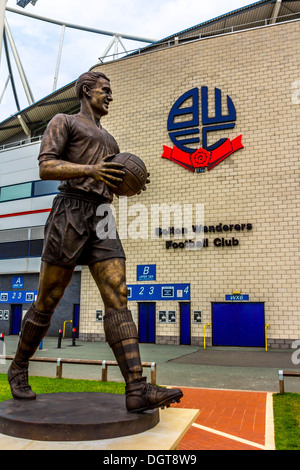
pixel 258 14
pixel 37 115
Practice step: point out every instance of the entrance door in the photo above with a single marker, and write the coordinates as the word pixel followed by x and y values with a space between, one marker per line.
pixel 185 323
pixel 16 319
pixel 147 322
pixel 76 318
pixel 251 325
pixel 238 324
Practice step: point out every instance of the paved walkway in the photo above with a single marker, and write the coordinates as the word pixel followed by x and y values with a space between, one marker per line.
pixel 229 420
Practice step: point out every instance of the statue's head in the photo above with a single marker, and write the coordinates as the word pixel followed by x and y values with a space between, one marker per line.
pixel 88 79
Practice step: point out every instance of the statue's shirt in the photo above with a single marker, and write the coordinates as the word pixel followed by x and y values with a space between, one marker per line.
pixel 77 139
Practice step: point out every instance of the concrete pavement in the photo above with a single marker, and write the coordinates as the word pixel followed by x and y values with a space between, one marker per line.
pixel 185 366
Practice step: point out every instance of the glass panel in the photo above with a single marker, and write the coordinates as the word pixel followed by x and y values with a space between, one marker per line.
pixel 45 187
pixel 17 191
pixel 36 247
pixel 14 250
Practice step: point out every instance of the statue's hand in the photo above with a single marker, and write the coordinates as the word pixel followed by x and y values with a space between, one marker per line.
pixel 145 187
pixel 109 172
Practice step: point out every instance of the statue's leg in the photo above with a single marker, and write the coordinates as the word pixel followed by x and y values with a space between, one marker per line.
pixel 119 327
pixel 53 281
pixel 122 336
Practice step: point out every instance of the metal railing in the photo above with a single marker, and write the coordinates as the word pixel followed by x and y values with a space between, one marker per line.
pixel 91 362
pixel 286 373
pixel 19 143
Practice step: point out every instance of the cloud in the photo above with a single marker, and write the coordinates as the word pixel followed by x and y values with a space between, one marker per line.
pixel 38 41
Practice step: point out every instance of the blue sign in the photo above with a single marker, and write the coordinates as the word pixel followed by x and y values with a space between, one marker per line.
pixel 17 297
pixel 237 297
pixel 182 131
pixel 18 282
pixel 146 272
pixel 154 292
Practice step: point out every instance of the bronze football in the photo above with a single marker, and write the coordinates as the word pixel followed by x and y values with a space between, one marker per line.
pixel 135 174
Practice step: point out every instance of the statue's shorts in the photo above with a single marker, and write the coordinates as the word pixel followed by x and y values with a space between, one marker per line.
pixel 76 235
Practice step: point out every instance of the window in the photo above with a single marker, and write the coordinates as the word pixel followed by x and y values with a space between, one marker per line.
pixel 21 249
pixel 42 188
pixel 31 189
pixel 16 191
pixel 35 248
pixel 12 250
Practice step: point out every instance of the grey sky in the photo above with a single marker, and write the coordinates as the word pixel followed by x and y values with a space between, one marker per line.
pixel 38 42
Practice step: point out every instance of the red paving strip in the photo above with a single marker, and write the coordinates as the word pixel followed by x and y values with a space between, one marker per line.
pixel 236 413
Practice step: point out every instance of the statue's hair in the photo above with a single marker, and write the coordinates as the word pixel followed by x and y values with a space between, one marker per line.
pixel 88 78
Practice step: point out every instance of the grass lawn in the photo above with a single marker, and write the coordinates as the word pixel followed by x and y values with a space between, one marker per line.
pixel 53 385
pixel 287 421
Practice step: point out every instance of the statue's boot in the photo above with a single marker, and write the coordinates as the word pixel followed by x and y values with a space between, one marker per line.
pixel 142 396
pixel 33 329
pixel 122 336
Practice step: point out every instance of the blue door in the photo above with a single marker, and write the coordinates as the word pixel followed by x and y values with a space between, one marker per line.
pixel 224 325
pixel 238 324
pixel 16 318
pixel 251 325
pixel 147 322
pixel 76 318
pixel 185 323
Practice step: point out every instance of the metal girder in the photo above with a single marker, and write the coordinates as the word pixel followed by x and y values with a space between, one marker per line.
pixel 24 80
pixel 114 42
pixel 275 11
pixel 4 89
pixel 24 125
pixel 59 57
pixel 2 16
pixel 82 28
pixel 11 75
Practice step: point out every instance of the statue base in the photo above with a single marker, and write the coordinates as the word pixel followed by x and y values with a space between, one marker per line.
pixel 73 417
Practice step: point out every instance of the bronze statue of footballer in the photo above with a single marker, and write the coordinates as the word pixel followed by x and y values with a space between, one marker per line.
pixel 77 150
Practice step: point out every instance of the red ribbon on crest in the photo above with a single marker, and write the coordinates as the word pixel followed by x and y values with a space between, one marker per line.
pixel 203 158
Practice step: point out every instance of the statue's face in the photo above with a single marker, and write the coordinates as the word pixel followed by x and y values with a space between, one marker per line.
pixel 101 96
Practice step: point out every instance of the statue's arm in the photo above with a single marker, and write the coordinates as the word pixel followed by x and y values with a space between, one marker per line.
pixel 63 170
pixel 108 172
